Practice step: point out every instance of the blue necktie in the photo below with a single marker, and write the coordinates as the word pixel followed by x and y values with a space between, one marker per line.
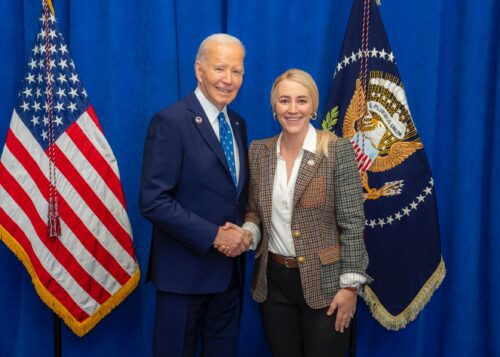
pixel 226 141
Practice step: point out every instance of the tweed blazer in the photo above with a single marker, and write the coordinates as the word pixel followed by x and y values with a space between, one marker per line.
pixel 327 218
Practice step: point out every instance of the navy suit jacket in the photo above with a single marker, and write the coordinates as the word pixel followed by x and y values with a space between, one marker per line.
pixel 187 192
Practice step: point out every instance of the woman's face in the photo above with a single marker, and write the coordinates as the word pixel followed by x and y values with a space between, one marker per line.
pixel 293 107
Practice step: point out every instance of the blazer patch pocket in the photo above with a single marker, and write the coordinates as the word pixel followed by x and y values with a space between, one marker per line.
pixel 315 193
pixel 329 255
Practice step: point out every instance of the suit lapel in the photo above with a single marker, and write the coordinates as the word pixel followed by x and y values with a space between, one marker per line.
pixel 308 168
pixel 206 130
pixel 267 166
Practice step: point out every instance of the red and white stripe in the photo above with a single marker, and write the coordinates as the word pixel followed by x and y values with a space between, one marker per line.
pixel 362 160
pixel 94 256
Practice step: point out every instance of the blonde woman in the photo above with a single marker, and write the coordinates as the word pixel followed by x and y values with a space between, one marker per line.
pixel 305 216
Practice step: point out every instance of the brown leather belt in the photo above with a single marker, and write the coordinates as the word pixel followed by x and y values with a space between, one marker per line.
pixel 281 260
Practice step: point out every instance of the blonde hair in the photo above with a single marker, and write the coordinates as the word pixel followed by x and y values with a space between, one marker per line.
pixel 297 75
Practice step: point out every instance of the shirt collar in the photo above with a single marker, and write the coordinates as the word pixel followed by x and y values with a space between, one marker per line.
pixel 309 143
pixel 210 110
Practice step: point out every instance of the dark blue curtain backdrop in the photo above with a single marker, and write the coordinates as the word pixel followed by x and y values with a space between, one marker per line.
pixel 136 57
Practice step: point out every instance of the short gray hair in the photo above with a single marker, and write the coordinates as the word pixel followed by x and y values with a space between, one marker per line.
pixel 222 38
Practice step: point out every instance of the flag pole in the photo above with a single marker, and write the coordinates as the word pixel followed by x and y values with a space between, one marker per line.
pixel 57 336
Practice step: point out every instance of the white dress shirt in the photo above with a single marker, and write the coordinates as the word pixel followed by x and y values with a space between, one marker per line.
pixel 212 112
pixel 280 238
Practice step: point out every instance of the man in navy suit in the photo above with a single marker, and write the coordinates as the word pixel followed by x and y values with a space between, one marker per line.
pixel 191 186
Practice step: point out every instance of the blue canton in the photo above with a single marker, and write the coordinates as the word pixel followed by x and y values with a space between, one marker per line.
pixel 226 141
pixel 69 97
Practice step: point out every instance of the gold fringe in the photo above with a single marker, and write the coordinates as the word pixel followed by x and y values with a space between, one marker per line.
pixel 391 322
pixel 79 328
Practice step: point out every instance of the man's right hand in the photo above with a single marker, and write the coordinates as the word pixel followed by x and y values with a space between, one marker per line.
pixel 232 240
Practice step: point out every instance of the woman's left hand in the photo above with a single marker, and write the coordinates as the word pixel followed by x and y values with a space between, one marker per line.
pixel 345 304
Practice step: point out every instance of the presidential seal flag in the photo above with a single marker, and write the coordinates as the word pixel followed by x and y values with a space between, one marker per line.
pixel 368 104
pixel 62 208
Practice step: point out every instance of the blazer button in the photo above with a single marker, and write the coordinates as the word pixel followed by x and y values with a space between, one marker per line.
pixel 301 259
pixel 296 234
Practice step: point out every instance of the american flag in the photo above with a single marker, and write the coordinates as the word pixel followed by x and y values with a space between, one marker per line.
pixel 90 268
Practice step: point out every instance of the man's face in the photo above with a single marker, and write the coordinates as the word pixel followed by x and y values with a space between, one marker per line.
pixel 220 73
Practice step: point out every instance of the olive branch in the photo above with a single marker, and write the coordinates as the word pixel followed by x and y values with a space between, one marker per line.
pixel 331 119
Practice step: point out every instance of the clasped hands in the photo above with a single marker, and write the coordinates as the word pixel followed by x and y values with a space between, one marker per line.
pixel 232 240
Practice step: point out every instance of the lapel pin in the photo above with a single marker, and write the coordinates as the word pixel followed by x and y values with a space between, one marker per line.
pixel 310 162
pixel 237 122
pixel 198 120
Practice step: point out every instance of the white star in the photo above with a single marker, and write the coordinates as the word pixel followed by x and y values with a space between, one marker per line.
pixel 35 50
pixel 62 63
pixel 40 63
pixel 414 205
pixel 431 181
pixel 73 92
pixel 61 93
pixel 381 222
pixel 390 57
pixel 30 78
pixel 25 106
pixel 38 92
pixel 58 120
pixel 353 57
pixel 84 92
pixel 52 34
pixel 59 106
pixel 374 52
pixel 72 64
pixel 35 120
pixel 52 19
pixel 52 49
pixel 36 106
pixel 72 107
pixel 46 105
pixel 345 61
pixel 42 49
pixel 52 64
pixel 40 78
pixel 359 54
pixel 382 53
pixel 74 78
pixel 41 34
pixel 44 135
pixel 406 211
pixel 398 216
pixel 389 220
pixel 428 191
pixel 45 120
pixel 62 78
pixel 27 92
pixel 63 49
pixel 339 66
pixel 32 64
pixel 372 223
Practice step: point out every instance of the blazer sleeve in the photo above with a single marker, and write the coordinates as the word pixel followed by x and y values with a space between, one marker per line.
pixel 161 170
pixel 349 210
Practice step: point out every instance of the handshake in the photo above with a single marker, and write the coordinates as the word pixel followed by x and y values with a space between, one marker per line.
pixel 232 240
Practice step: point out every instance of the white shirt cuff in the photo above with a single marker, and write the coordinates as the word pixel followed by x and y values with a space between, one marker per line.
pixel 351 279
pixel 254 229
